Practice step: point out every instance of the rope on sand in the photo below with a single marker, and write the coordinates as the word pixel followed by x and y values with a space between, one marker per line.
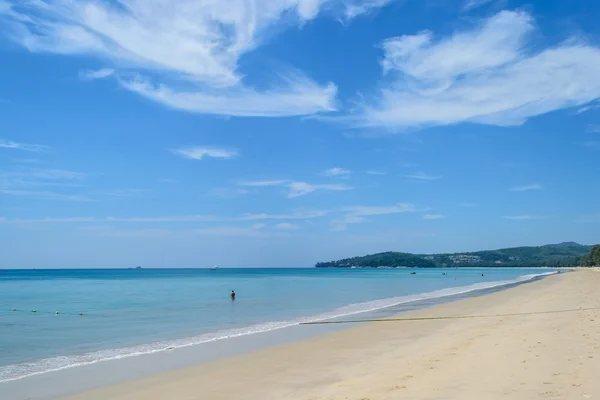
pixel 447 317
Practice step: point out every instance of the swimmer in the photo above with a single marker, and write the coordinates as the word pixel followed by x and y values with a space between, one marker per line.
pixel 232 295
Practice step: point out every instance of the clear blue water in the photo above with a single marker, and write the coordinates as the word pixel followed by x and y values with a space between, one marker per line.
pixel 129 312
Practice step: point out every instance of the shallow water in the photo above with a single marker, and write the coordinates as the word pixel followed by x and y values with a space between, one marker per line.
pixel 132 312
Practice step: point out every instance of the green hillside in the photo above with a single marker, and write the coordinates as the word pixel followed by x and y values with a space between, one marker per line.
pixel 555 255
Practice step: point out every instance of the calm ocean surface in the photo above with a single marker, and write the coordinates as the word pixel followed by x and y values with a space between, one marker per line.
pixel 130 312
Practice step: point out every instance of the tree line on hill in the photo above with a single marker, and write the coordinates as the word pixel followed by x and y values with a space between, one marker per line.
pixel 560 255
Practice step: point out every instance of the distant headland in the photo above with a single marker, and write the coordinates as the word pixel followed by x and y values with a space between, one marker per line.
pixel 567 254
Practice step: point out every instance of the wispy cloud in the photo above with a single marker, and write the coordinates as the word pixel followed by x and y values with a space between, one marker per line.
pixel 301 214
pixel 215 231
pixel 522 217
pixel 434 216
pixel 174 219
pixel 374 172
pixel 39 177
pixel 593 128
pixel 295 188
pixel 423 176
pixel 472 4
pixel 587 108
pixel 381 210
pixel 45 195
pixel 358 214
pixel 264 183
pixel 199 152
pixel 36 148
pixel 191 49
pixel 334 172
pixel 90 75
pixel 488 75
pixel 525 188
pixel 341 224
pixel 354 9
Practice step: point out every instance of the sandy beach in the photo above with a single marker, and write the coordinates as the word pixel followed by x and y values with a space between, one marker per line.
pixel 546 355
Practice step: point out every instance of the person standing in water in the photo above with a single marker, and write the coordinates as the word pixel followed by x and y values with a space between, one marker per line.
pixel 232 295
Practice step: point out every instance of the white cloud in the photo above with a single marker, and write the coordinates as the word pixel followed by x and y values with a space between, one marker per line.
pixel 525 188
pixel 198 152
pixel 422 176
pixel 336 171
pixel 36 148
pixel 373 172
pixel 434 216
pixel 487 75
pixel 299 97
pixel 286 226
pixel 90 75
pixel 192 49
pixel 472 4
pixel 521 217
pixel 296 189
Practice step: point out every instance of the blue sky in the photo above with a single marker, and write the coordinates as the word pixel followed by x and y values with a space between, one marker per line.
pixel 285 132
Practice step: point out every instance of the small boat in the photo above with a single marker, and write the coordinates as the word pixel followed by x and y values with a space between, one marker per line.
pixel 214 268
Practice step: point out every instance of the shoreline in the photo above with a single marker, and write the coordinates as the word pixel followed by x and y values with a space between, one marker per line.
pixel 134 369
pixel 543 355
pixel 379 308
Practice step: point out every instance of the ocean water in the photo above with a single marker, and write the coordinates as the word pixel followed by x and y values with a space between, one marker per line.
pixel 140 311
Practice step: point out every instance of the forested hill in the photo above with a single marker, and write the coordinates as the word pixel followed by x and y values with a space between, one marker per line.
pixel 554 255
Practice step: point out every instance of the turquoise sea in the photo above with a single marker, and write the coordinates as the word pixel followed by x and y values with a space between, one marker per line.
pixel 140 311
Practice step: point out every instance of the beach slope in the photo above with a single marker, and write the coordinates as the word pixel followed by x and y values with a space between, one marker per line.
pixel 546 355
